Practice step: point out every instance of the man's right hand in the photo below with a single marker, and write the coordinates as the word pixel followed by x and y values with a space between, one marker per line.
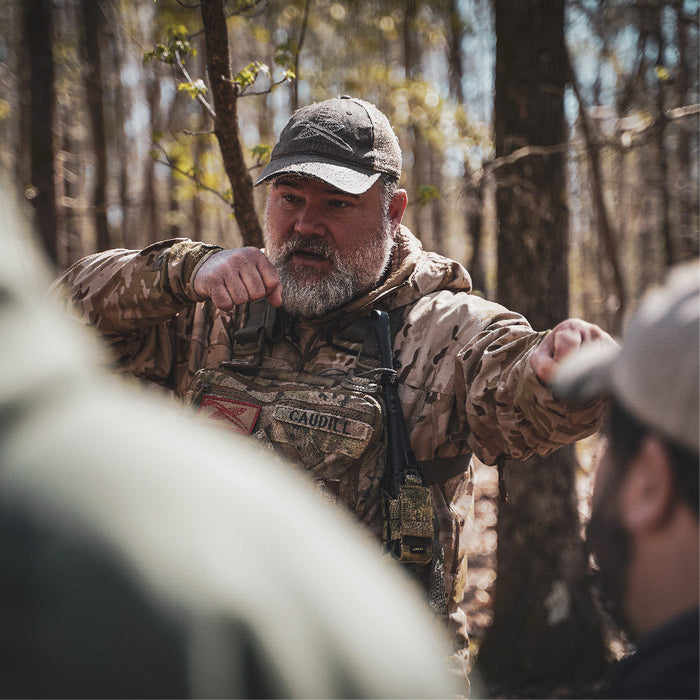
pixel 237 276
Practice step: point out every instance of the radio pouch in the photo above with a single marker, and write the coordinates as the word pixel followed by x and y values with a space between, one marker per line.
pixel 408 523
pixel 408 529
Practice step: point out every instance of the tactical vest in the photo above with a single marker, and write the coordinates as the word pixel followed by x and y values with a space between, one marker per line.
pixel 332 423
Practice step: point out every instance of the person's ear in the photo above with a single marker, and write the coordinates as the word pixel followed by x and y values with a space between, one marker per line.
pixel 647 493
pixel 397 207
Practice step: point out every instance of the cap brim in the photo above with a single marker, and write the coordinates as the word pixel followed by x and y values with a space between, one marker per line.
pixel 587 374
pixel 343 177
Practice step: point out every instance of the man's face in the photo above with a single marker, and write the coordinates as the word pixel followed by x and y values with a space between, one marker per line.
pixel 609 541
pixel 328 246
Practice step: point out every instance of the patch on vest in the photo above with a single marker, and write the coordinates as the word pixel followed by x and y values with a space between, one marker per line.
pixel 328 422
pixel 238 415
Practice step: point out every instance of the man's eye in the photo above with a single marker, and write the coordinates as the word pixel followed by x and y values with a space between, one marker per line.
pixel 291 198
pixel 339 204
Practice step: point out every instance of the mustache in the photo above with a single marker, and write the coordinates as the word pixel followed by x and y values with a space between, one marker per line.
pixel 314 246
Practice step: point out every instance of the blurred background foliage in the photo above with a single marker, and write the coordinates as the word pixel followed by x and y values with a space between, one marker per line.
pixel 128 129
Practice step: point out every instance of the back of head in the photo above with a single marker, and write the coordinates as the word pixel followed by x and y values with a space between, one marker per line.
pixel 655 375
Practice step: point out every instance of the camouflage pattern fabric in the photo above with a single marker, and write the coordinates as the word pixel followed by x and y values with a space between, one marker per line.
pixel 334 429
pixel 466 385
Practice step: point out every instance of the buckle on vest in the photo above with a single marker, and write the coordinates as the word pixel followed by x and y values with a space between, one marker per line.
pixel 261 322
pixel 240 364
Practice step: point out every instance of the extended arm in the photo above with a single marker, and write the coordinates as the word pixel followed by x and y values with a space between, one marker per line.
pixel 511 407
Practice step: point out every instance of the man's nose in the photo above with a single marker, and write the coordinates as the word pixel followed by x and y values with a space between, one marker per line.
pixel 310 221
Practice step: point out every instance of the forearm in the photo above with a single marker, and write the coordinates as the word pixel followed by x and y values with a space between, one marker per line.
pixel 119 291
pixel 513 413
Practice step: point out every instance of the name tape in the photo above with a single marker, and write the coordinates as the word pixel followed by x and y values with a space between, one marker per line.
pixel 318 420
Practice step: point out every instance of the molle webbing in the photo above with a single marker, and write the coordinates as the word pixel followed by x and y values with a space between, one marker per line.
pixel 263 323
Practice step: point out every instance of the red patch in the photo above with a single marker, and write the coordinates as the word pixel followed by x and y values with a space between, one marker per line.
pixel 236 415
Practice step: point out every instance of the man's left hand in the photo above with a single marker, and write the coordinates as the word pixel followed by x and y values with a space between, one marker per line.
pixel 560 342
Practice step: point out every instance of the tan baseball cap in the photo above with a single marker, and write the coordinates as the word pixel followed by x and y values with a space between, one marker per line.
pixel 654 373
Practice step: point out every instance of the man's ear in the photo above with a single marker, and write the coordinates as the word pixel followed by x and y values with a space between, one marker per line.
pixel 397 207
pixel 647 493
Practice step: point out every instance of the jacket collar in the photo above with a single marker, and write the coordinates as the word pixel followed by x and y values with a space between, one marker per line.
pixel 412 274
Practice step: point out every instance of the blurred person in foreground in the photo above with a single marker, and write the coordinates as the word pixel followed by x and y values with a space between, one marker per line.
pixel 279 344
pixel 644 530
pixel 146 556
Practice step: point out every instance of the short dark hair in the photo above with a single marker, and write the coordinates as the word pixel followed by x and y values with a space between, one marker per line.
pixel 626 433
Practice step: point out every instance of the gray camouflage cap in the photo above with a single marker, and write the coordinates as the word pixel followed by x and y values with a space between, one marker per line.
pixel 345 142
pixel 654 374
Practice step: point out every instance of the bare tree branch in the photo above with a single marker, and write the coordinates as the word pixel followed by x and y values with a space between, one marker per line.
pixel 200 98
pixel 604 223
pixel 189 174
pixel 297 55
pixel 225 94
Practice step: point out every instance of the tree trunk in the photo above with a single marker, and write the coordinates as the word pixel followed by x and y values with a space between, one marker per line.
pixel 688 195
pixel 437 222
pixel 94 91
pixel 605 226
pixel 225 94
pixel 455 34
pixel 418 175
pixel 545 633
pixel 670 255
pixel 121 104
pixel 151 210
pixel 474 196
pixel 37 30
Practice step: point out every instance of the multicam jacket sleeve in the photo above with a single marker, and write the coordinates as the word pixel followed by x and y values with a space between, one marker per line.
pixel 134 298
pixel 468 385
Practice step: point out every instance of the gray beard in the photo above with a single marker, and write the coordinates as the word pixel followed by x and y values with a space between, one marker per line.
pixel 305 295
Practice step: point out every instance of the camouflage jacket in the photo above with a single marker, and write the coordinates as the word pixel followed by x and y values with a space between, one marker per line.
pixel 466 385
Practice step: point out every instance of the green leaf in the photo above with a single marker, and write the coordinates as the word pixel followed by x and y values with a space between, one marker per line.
pixel 177 42
pixel 176 32
pixel 261 152
pixel 193 89
pixel 427 193
pixel 662 73
pixel 249 74
pixel 160 52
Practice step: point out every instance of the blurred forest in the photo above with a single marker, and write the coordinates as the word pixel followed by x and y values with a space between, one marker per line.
pixel 118 132
pixel 115 149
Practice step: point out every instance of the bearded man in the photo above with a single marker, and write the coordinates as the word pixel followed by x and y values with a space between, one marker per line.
pixel 276 343
pixel 644 530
